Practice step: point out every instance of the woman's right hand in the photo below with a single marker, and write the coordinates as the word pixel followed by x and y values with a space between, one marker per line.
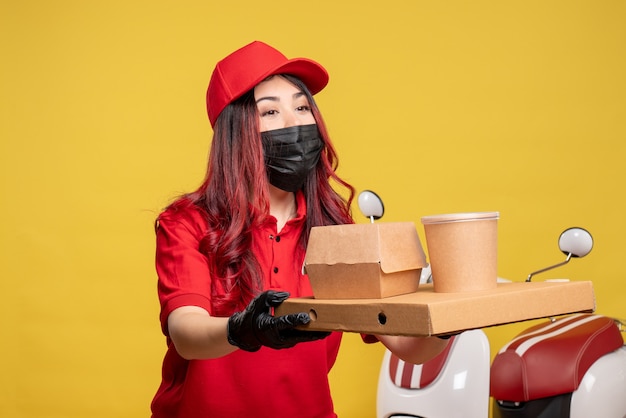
pixel 256 326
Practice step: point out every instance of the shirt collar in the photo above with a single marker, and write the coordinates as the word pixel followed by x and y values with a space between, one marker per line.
pixel 300 214
pixel 301 206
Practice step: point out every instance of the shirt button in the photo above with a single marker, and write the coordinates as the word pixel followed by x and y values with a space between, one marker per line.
pixel 277 238
pixel 275 269
pixel 271 236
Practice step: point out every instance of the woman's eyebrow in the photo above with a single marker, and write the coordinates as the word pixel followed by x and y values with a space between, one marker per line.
pixel 272 98
pixel 296 95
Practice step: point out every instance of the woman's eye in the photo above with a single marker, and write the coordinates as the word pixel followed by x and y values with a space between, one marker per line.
pixel 269 112
pixel 305 108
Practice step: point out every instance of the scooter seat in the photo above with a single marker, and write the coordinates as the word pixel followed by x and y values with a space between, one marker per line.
pixel 417 376
pixel 551 358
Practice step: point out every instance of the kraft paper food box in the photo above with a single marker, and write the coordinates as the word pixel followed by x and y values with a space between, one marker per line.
pixel 362 261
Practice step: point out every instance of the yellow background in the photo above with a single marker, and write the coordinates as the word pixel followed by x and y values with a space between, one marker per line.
pixel 439 107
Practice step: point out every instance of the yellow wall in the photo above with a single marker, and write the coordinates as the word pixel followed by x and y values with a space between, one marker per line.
pixel 438 106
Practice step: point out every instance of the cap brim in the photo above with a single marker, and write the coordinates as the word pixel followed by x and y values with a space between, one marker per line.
pixel 312 74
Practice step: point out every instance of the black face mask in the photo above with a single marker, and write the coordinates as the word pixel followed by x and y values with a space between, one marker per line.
pixel 290 154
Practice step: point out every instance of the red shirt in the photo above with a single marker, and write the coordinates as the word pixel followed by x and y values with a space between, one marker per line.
pixel 268 383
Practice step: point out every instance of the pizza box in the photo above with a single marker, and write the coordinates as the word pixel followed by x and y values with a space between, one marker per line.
pixel 425 312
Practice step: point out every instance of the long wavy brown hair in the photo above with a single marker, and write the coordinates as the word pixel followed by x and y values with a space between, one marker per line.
pixel 235 198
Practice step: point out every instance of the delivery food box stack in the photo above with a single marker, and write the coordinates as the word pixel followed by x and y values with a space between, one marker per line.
pixel 366 278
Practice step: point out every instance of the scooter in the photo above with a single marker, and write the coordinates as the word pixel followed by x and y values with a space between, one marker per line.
pixel 573 366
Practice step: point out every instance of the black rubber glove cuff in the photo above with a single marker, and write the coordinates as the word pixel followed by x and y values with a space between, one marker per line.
pixel 234 328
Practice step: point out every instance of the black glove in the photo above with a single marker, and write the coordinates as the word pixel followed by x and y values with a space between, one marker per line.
pixel 256 326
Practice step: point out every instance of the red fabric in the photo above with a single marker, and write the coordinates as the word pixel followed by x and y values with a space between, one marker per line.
pixel 551 358
pixel 267 383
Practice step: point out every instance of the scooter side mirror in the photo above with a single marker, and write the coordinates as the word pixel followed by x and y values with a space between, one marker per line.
pixel 371 205
pixel 573 242
pixel 576 241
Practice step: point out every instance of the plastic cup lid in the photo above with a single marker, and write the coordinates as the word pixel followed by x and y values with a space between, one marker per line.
pixel 460 217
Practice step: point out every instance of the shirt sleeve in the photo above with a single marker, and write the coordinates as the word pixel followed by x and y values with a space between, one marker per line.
pixel 183 273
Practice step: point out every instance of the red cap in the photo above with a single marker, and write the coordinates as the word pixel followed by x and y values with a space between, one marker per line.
pixel 239 72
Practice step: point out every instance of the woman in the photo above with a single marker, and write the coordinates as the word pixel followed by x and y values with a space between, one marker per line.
pixel 233 249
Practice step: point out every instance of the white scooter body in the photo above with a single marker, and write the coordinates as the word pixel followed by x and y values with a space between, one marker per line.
pixel 460 390
pixel 602 392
